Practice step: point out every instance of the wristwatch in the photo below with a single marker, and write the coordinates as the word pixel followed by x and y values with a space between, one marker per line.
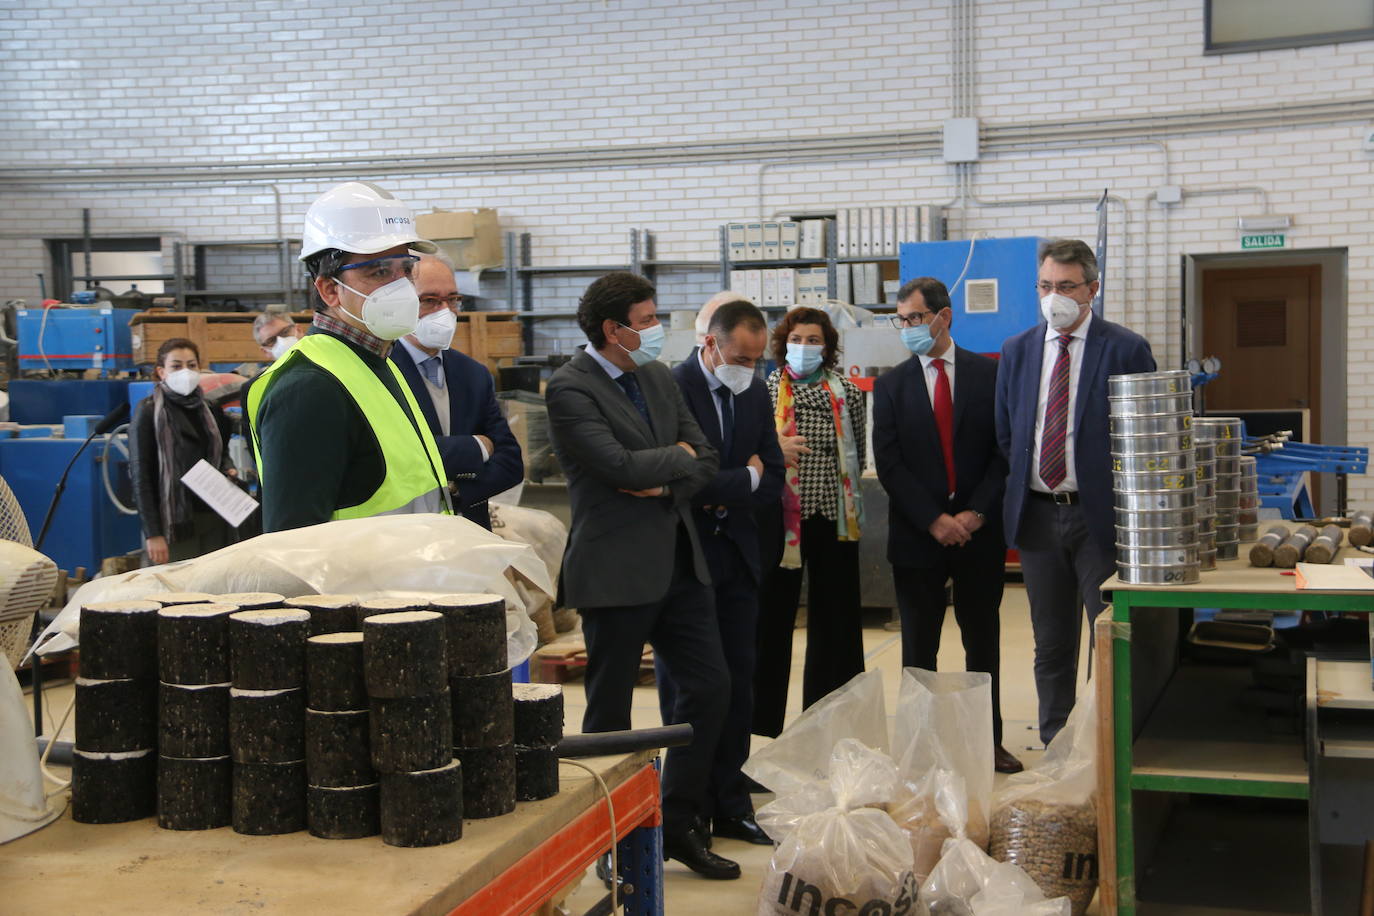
pixel 981 516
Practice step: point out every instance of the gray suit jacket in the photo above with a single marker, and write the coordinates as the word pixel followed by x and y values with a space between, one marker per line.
pixel 621 548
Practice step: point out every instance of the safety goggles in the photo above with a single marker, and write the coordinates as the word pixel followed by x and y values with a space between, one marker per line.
pixel 384 269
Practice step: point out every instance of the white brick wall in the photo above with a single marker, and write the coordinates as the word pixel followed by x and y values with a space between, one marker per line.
pixel 158 83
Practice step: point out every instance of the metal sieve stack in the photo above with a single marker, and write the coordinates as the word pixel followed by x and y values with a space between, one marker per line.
pixel 1154 489
pixel 1225 435
pixel 1249 500
pixel 1205 458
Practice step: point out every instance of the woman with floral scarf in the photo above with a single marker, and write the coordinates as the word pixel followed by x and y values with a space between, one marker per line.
pixel 820 520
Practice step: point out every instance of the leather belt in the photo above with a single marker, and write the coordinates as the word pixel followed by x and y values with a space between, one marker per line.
pixel 1059 499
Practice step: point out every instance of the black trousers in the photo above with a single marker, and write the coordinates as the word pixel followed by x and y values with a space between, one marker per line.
pixel 834 625
pixel 737 614
pixel 681 627
pixel 978 570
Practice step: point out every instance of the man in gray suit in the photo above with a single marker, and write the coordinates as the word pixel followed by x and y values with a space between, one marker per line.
pixel 634 457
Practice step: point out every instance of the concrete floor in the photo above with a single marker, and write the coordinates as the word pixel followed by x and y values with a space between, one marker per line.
pixel 687 893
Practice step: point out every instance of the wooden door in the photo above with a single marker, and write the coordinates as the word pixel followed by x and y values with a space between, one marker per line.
pixel 1264 324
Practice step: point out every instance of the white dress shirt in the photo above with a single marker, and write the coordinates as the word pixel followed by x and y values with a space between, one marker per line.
pixel 1051 353
pixel 611 368
pixel 933 374
pixel 713 384
pixel 438 396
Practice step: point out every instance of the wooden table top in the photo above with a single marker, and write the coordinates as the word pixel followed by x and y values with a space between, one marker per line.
pixel 139 868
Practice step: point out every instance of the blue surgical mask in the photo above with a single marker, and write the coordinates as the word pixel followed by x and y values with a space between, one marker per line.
pixel 917 339
pixel 804 359
pixel 650 345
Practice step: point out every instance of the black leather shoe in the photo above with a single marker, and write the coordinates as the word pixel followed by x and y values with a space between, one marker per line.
pixel 1004 762
pixel 743 827
pixel 690 849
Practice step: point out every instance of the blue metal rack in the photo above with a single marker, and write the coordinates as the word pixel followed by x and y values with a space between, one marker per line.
pixel 1281 482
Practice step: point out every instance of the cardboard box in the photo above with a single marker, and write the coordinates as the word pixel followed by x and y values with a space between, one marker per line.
pixel 472 238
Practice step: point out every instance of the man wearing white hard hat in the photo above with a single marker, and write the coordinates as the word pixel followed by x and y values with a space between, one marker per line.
pixel 337 432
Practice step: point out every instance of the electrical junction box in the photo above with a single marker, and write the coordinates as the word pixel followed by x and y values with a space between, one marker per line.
pixel 961 140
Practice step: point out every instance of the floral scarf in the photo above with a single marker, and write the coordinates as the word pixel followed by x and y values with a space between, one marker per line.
pixel 847 457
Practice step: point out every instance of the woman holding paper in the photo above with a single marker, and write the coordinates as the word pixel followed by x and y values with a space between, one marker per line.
pixel 172 430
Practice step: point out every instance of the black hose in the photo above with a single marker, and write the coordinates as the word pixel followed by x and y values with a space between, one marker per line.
pixel 602 744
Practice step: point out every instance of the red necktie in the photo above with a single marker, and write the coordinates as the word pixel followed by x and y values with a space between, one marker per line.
pixel 1056 426
pixel 944 418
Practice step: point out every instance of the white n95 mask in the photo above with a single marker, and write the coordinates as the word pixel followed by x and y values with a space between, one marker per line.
pixel 736 378
pixel 182 381
pixel 435 330
pixel 1060 311
pixel 390 311
pixel 281 345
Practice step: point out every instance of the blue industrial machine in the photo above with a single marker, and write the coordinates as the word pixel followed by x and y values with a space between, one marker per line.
pixel 996 297
pixel 1282 480
pixel 87 526
pixel 49 400
pixel 75 338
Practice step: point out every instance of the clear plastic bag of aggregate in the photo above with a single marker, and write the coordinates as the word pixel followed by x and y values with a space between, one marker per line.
pixel 944 722
pixel 393 555
pixel 839 850
pixel 1045 819
pixel 969 882
pixel 801 755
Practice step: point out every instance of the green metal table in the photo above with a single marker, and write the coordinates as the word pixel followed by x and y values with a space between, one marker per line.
pixel 1170 756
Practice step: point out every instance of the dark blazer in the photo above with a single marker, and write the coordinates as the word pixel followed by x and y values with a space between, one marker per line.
pixel 911 463
pixel 1109 349
pixel 622 548
pixel 473 411
pixel 754 435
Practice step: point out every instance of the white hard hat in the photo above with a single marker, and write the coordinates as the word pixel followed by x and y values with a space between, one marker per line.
pixel 361 218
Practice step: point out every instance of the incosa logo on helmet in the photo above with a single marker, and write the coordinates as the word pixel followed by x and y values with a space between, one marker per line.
pixel 396 221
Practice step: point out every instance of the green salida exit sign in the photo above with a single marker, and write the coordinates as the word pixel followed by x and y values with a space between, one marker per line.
pixel 1264 240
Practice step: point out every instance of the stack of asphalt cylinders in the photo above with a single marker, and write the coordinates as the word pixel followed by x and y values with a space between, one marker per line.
pixel 1225 435
pixel 1153 478
pixel 1249 500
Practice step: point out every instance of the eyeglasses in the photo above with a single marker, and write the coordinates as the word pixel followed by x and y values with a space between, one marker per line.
pixel 436 302
pixel 288 331
pixel 908 321
pixel 385 269
pixel 1063 287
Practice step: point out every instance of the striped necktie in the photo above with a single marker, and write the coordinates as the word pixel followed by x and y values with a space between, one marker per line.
pixel 1056 425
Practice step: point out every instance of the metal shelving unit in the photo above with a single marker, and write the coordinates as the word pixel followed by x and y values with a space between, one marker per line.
pixel 190 278
pixel 829 262
pixel 520 274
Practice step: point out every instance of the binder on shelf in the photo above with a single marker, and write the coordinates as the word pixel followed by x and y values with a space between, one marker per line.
pixel 842 233
pixel 865 233
pixel 770 287
pixel 894 235
pixel 865 283
pixel 790 233
pixel 772 240
pixel 753 286
pixel 844 291
pixel 787 286
pixel 735 242
pixel 753 240
pixel 812 239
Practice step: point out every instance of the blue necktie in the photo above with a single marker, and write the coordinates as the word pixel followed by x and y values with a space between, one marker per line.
pixel 627 381
pixel 431 369
pixel 727 421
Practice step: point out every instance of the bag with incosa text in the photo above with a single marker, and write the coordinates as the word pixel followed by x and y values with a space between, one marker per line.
pixel 839 850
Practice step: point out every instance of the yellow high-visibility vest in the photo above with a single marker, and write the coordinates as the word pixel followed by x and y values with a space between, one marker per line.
pixel 413 466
